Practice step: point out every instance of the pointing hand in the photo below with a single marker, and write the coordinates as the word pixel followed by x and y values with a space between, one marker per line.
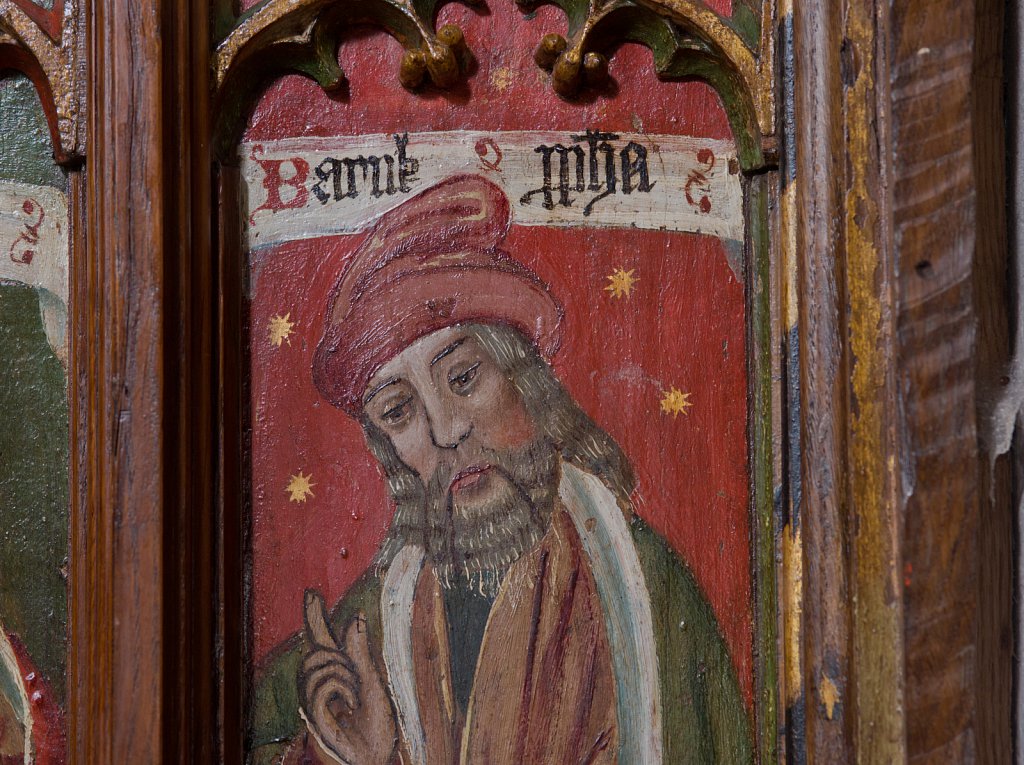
pixel 341 693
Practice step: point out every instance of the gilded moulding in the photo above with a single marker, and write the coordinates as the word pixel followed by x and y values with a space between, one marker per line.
pixel 44 45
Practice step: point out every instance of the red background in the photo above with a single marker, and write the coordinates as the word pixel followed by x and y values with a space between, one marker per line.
pixel 683 326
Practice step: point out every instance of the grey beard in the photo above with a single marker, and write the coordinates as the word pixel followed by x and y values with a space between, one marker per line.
pixel 477 543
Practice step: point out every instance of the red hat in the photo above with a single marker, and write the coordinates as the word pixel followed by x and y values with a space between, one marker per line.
pixel 430 263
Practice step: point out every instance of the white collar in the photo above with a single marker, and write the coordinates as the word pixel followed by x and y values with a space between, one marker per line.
pixel 625 601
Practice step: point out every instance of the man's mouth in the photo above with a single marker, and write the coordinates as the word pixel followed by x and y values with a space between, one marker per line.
pixel 470 478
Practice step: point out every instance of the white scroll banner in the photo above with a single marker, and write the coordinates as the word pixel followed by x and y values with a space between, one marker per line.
pixel 34 251
pixel 300 188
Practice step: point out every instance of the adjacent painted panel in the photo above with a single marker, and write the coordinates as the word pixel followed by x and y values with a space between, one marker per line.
pixel 33 433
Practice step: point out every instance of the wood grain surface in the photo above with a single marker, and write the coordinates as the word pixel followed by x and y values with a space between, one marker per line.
pixel 144 680
pixel 824 397
pixel 935 217
pixel 993 305
pixel 922 262
pixel 904 627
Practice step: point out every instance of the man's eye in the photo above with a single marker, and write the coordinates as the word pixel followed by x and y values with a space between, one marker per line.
pixel 398 412
pixel 461 382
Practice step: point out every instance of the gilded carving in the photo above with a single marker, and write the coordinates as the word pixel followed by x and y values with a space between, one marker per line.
pixel 673 29
pixel 44 44
pixel 687 38
pixel 303 35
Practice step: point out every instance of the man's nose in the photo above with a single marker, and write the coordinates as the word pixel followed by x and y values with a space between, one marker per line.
pixel 448 425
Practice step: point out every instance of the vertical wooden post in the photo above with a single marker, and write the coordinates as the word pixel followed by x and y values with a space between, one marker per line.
pixel 823 505
pixel 935 219
pixel 993 111
pixel 900 658
pixel 143 684
pixel 850 506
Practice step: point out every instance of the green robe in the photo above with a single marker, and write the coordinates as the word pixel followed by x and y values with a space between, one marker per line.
pixel 704 718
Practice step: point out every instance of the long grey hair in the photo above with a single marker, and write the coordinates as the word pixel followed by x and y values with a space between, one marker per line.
pixel 566 432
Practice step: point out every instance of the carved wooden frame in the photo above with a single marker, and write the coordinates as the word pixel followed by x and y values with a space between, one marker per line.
pixel 154 92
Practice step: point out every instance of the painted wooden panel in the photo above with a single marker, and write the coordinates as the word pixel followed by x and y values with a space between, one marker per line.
pixel 34 455
pixel 500 366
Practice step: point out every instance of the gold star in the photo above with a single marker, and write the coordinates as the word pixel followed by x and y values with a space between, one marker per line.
pixel 622 282
pixel 300 487
pixel 675 402
pixel 280 328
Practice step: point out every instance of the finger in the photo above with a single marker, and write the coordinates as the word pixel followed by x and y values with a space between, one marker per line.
pixel 318 628
pixel 318 679
pixel 335 701
pixel 335 697
pixel 310 679
pixel 310 682
pixel 321 657
pixel 357 645
pixel 328 712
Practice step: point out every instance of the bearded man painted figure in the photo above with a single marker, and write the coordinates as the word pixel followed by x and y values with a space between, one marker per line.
pixel 518 611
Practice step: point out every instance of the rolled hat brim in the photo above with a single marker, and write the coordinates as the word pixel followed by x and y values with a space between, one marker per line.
pixel 488 288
